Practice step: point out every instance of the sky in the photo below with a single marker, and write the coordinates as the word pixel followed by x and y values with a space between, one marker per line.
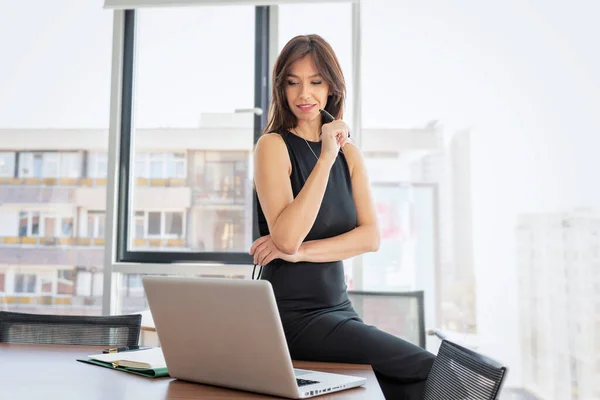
pixel 521 75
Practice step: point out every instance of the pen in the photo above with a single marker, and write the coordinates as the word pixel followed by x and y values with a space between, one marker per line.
pixel 328 117
pixel 122 349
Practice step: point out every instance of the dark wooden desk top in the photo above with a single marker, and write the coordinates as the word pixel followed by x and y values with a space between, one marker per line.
pixel 51 372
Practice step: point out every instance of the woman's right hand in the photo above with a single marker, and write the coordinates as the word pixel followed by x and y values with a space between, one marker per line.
pixel 333 135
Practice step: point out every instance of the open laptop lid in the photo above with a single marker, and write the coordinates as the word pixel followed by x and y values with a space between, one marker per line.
pixel 223 332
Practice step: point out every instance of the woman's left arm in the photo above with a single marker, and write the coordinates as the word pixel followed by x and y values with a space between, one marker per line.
pixel 362 239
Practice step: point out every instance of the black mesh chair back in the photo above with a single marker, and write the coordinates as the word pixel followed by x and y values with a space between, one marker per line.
pixel 118 330
pixel 462 374
pixel 403 316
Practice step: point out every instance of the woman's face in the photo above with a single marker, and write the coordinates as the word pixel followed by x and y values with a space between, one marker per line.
pixel 306 91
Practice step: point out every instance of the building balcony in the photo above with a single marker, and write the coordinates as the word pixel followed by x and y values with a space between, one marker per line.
pixel 50 241
pixel 27 241
pixel 53 181
pixel 89 182
pixel 221 197
pixel 35 299
pixel 139 244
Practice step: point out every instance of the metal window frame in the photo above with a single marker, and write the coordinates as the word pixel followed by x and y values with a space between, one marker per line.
pixel 118 261
pixel 118 258
pixel 125 178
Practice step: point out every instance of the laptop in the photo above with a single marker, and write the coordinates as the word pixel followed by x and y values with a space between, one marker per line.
pixel 227 332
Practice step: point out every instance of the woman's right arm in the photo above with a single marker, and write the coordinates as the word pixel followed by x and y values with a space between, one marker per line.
pixel 289 219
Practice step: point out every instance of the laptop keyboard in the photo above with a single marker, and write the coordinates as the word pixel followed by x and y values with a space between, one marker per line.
pixel 304 382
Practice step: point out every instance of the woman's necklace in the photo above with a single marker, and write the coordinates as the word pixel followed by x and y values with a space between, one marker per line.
pixel 306 141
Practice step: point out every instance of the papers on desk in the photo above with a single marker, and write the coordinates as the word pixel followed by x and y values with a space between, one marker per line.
pixel 150 363
pixel 141 359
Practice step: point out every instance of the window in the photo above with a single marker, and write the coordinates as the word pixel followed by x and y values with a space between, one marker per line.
pixel 29 223
pixel 191 114
pixel 160 165
pixel 35 223
pixel 159 224
pixel 174 223
pixel 23 223
pixel 49 165
pixel 139 225
pixel 224 177
pixel 154 223
pixel 25 283
pixel 7 164
pixel 66 227
pixel 176 165
pixel 97 164
pixel 54 108
pixel 95 224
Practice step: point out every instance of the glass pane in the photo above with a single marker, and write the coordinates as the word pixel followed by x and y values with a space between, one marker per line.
pixel 38 163
pixel 90 226
pixel 407 238
pixel 156 169
pixel 503 125
pixel 185 105
pixel 54 115
pixel 139 228
pixel 25 283
pixel 174 223
pixel 23 223
pixel 101 219
pixel 154 223
pixel 7 164
pixel 303 19
pixel 67 227
pixel 35 223
pixel 140 167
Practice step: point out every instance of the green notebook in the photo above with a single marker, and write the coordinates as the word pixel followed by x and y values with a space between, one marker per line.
pixel 149 363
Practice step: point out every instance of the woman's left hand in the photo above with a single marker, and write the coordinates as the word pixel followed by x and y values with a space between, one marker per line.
pixel 265 251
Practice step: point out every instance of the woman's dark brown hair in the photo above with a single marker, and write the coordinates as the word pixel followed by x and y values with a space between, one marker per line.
pixel 281 118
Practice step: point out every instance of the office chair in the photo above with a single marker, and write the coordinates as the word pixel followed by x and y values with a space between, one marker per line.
pixel 404 315
pixel 462 374
pixel 118 330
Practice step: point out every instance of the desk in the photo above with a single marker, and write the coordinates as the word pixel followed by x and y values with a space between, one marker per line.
pixel 51 372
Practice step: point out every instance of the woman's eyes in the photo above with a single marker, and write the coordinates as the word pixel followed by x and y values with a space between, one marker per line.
pixel 296 83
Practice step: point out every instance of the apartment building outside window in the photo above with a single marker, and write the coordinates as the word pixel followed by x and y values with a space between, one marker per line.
pixel 49 164
pixel 160 165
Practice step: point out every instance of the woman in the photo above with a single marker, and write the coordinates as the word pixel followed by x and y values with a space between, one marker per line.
pixel 314 210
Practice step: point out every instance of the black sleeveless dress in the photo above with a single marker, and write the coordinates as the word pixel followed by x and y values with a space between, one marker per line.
pixel 319 321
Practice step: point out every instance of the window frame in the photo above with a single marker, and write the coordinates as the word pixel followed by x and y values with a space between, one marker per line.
pixel 60 161
pixel 25 277
pixel 266 50
pixel 125 215
pixel 164 158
